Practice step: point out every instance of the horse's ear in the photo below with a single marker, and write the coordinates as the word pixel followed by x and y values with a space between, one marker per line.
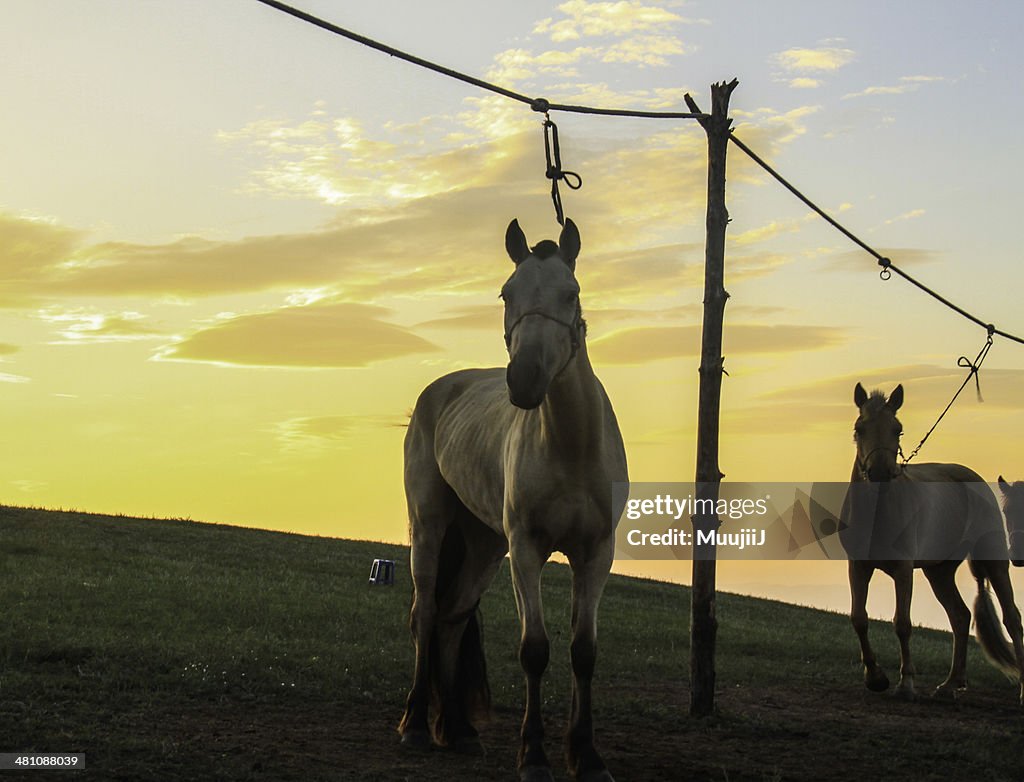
pixel 1004 486
pixel 896 398
pixel 860 396
pixel 515 243
pixel 569 244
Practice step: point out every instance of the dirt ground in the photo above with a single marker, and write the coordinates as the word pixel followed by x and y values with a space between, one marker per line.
pixel 762 734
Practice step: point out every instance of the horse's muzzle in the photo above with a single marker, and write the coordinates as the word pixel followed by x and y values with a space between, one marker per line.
pixel 526 386
pixel 881 473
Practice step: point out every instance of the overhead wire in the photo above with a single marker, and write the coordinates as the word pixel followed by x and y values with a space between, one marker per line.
pixel 544 106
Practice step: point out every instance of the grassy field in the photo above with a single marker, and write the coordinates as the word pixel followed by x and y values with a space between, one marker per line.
pixel 179 650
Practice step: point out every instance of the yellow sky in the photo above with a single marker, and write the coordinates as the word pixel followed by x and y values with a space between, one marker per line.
pixel 233 248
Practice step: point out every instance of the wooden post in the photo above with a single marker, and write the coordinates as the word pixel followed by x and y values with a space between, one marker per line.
pixel 703 623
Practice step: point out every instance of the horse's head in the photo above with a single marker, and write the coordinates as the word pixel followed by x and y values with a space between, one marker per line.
pixel 877 433
pixel 1013 509
pixel 543 320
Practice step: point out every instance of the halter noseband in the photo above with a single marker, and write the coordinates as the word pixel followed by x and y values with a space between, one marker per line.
pixel 574 330
pixel 862 464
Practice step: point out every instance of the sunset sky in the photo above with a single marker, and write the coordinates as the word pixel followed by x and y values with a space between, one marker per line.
pixel 234 247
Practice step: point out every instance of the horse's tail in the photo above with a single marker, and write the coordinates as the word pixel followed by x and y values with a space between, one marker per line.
pixel 472 692
pixel 989 630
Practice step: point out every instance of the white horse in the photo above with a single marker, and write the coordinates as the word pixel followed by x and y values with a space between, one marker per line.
pixel 519 459
pixel 1013 508
pixel 931 516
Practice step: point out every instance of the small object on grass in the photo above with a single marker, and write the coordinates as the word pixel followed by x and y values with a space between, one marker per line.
pixel 382 573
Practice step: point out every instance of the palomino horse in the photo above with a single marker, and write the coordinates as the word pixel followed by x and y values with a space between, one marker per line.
pixel 519 459
pixel 929 516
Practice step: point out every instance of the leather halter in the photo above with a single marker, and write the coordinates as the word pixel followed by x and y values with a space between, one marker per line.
pixel 574 328
pixel 862 464
pixel 574 333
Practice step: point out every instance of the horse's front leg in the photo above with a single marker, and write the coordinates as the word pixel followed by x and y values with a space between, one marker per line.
pixel 527 558
pixel 860 578
pixel 903 577
pixel 588 580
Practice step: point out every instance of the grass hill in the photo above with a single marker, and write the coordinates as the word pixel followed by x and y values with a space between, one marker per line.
pixel 178 650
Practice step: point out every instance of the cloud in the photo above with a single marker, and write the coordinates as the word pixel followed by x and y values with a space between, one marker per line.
pixel 30 248
pixel 800 416
pixel 804 83
pixel 313 435
pixel 769 230
pixel 5 377
pixel 596 19
pixel 650 50
pixel 821 59
pixel 827 405
pixel 622 32
pixel 338 162
pixel 486 317
pixel 642 345
pixel 81 326
pixel 441 234
pixel 913 213
pixel 769 127
pixel 906 84
pixel 520 65
pixel 321 335
pixel 449 242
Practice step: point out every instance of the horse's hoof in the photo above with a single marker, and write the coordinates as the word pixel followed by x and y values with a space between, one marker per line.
pixel 418 740
pixel 535 774
pixel 469 745
pixel 876 682
pixel 597 775
pixel 950 692
pixel 904 694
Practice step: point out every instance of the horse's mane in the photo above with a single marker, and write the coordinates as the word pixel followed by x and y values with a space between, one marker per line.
pixel 876 401
pixel 545 249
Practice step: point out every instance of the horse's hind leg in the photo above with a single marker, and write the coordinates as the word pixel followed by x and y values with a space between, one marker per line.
pixel 999 576
pixel 943 583
pixel 588 580
pixel 422 617
pixel 432 508
pixel 860 578
pixel 463 674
